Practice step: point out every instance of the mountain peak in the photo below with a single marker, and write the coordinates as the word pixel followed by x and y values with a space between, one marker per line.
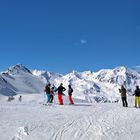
pixel 17 69
pixel 121 68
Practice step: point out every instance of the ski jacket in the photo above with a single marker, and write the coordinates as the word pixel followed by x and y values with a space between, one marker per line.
pixel 60 89
pixel 52 91
pixel 70 90
pixel 137 92
pixel 123 92
pixel 47 89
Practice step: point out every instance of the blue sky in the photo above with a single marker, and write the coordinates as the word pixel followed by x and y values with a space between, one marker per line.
pixel 65 35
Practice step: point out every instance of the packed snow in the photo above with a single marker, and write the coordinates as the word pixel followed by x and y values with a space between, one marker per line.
pixel 31 120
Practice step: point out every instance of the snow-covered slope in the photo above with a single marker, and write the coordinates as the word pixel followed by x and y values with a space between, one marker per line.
pixel 119 76
pixel 101 86
pixel 20 79
pixel 5 87
pixel 46 76
pixel 29 120
pixel 136 68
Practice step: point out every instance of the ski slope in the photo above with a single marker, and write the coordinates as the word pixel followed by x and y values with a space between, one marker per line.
pixel 30 120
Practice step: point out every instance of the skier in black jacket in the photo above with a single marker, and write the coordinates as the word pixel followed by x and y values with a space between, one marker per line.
pixel 47 90
pixel 51 94
pixel 137 97
pixel 70 90
pixel 60 90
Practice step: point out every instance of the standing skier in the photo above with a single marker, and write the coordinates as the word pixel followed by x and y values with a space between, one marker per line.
pixel 51 94
pixel 20 98
pixel 123 96
pixel 70 90
pixel 60 90
pixel 137 97
pixel 47 90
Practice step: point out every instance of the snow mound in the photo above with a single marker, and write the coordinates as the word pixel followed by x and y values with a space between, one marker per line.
pixel 21 133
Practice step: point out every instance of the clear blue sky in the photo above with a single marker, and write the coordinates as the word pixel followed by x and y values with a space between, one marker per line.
pixel 65 35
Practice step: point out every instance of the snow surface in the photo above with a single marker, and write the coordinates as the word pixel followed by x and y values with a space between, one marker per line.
pixel 96 115
pixel 31 120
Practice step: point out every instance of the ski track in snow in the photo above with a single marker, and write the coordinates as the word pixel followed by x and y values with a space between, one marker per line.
pixel 33 121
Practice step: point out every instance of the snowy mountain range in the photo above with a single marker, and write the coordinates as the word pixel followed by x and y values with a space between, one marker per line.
pixel 101 86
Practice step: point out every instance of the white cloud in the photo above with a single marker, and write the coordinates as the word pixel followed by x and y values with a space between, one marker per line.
pixel 83 41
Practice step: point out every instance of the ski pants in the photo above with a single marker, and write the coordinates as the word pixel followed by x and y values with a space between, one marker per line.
pixel 70 99
pixel 51 98
pixel 137 101
pixel 124 102
pixel 48 97
pixel 60 99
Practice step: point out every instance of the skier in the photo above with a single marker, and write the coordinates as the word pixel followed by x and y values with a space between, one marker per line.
pixel 51 94
pixel 123 96
pixel 10 98
pixel 137 96
pixel 60 90
pixel 47 90
pixel 70 90
pixel 20 98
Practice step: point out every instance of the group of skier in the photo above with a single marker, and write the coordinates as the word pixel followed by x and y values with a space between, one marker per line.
pixel 50 91
pixel 123 91
pixel 10 98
